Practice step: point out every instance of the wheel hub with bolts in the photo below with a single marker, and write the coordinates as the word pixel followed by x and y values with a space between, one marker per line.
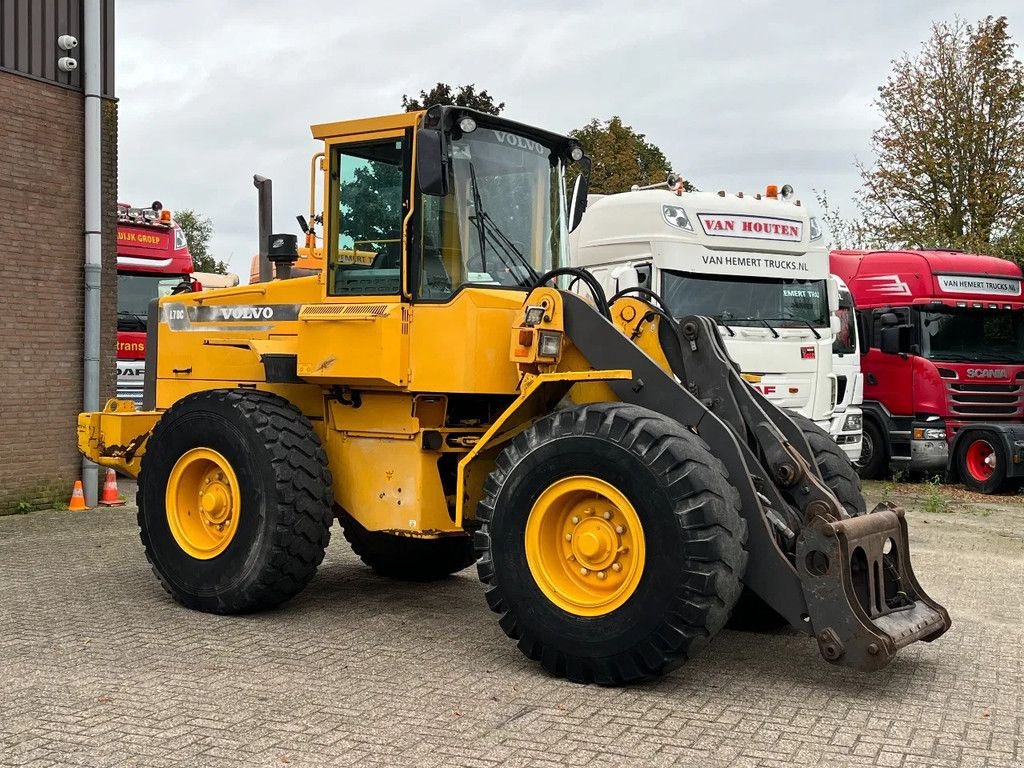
pixel 203 503
pixel 585 546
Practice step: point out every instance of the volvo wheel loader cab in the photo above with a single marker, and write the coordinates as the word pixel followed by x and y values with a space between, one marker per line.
pixel 436 392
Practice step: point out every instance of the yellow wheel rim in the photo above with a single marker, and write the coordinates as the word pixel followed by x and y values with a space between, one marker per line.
pixel 585 546
pixel 203 502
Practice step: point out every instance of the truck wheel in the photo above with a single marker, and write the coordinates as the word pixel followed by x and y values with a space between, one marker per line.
pixel 406 558
pixel 611 542
pixel 835 467
pixel 981 462
pixel 234 501
pixel 874 455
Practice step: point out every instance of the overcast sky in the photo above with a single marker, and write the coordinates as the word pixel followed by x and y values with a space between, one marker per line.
pixel 736 94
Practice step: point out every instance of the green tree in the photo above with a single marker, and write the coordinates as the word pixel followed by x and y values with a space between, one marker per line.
pixel 949 169
pixel 621 157
pixel 460 96
pixel 198 230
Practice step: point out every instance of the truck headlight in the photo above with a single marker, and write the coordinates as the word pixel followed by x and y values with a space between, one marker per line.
pixel 853 422
pixel 676 217
pixel 923 433
pixel 815 228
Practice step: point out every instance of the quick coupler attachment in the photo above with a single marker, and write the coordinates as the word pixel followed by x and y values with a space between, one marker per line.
pixel 863 600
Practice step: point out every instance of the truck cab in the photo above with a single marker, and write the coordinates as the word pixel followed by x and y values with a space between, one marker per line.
pixel 943 364
pixel 153 260
pixel 847 419
pixel 754 263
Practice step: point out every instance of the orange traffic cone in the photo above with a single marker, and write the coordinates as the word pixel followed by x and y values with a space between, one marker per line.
pixel 77 503
pixel 110 496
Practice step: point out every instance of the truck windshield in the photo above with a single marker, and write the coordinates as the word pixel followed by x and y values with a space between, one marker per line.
pixel 134 292
pixel 845 342
pixel 747 300
pixel 975 335
pixel 503 221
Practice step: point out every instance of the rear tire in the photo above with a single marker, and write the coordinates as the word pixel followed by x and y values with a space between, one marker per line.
pixel 407 558
pixel 981 462
pixel 234 501
pixel 874 453
pixel 678 541
pixel 834 465
pixel 753 614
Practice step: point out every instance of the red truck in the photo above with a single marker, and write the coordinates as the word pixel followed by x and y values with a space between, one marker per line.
pixel 943 364
pixel 152 260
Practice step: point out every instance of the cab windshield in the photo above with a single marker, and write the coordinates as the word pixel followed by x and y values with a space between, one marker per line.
pixel 973 335
pixel 503 221
pixel 134 292
pixel 747 301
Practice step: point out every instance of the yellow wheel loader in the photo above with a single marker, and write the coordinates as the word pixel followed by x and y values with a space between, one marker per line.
pixel 449 400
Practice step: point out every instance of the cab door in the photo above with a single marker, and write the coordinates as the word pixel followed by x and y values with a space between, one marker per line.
pixel 359 334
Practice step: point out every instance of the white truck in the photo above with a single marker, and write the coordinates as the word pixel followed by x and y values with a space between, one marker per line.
pixel 755 263
pixel 848 419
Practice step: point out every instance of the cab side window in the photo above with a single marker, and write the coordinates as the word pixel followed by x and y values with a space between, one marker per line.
pixel 370 201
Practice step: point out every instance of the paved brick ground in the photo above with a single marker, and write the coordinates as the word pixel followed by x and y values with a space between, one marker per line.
pixel 98 667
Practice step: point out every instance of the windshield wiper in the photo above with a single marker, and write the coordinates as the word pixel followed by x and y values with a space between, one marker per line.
pixel 720 319
pixel 794 319
pixel 760 320
pixel 140 321
pixel 504 248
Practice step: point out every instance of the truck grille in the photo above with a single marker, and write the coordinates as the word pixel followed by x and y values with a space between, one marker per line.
pixel 978 401
pixel 129 392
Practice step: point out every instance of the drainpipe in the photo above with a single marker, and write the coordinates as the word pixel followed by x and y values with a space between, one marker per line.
pixel 93 78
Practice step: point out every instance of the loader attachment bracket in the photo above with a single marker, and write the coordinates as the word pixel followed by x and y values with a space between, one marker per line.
pixel 863 599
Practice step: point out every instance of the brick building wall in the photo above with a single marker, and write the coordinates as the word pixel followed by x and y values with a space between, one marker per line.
pixel 42 255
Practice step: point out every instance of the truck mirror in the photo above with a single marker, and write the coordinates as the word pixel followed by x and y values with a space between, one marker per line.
pixel 896 339
pixel 578 199
pixel 832 290
pixel 834 325
pixel 431 166
pixel 624 276
pixel 888 318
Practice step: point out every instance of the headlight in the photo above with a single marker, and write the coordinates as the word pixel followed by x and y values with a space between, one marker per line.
pixel 815 228
pixel 676 217
pixel 853 421
pixel 180 240
pixel 550 344
pixel 921 433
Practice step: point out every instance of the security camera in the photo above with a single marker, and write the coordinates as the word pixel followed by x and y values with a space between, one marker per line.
pixel 67 42
pixel 67 64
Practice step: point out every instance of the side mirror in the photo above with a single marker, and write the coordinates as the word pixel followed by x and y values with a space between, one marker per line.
pixel 896 339
pixel 834 325
pixel 888 318
pixel 431 164
pixel 832 289
pixel 578 199
pixel 624 276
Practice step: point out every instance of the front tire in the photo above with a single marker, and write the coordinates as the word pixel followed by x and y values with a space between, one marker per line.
pixel 611 542
pixel 980 461
pixel 234 501
pixel 874 453
pixel 835 467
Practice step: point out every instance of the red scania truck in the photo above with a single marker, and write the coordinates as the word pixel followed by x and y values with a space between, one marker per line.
pixel 152 260
pixel 943 363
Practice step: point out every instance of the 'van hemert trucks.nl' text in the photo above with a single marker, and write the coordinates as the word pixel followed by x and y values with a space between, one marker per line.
pixel 944 368
pixel 152 260
pixel 755 263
